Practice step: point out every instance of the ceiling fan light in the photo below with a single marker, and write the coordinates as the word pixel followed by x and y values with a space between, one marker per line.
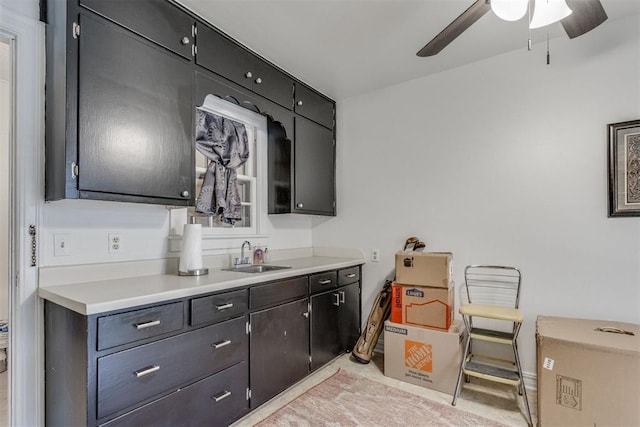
pixel 547 12
pixel 509 10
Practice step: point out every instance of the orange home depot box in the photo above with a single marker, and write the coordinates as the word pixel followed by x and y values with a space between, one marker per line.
pixel 422 306
pixel 587 376
pixel 425 357
pixel 433 269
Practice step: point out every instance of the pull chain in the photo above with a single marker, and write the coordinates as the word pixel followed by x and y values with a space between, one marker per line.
pixel 548 54
pixel 529 20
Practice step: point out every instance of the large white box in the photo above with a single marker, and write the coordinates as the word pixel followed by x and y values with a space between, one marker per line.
pixel 425 357
pixel 588 372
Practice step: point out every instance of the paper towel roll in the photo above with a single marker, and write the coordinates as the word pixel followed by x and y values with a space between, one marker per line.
pixel 191 256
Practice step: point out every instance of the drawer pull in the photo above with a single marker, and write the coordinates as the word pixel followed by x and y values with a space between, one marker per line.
pixel 220 344
pixel 221 396
pixel 224 306
pixel 351 275
pixel 325 282
pixel 147 324
pixel 146 371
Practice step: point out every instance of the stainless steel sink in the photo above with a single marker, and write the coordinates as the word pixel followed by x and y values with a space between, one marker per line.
pixel 262 268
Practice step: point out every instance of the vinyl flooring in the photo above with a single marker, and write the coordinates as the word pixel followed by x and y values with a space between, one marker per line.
pixel 494 401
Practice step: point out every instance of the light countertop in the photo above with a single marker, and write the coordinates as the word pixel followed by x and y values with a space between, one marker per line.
pixel 114 294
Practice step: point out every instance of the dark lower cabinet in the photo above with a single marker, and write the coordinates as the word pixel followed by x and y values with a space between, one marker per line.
pixel 335 323
pixel 217 400
pixel 279 348
pixel 200 360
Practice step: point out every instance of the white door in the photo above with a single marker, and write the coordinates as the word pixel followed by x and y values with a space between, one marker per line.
pixel 24 37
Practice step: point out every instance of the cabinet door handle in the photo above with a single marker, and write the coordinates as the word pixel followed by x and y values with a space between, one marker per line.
pixel 185 193
pixel 220 344
pixel 337 301
pixel 351 275
pixel 221 396
pixel 300 205
pixel 258 80
pixel 325 282
pixel 248 74
pixel 224 306
pixel 146 371
pixel 147 324
pixel 299 103
pixel 342 296
pixel 185 40
pixel 306 314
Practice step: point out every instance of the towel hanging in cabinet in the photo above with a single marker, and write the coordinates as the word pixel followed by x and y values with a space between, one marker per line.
pixel 225 143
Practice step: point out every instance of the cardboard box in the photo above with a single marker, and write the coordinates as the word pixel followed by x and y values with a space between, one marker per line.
pixel 587 377
pixel 425 357
pixel 433 269
pixel 422 306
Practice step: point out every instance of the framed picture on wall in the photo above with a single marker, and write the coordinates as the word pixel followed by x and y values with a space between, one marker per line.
pixel 624 168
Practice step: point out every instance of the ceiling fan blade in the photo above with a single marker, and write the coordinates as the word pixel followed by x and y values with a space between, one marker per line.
pixel 457 27
pixel 587 14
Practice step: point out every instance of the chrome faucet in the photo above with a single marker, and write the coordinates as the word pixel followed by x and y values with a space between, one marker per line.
pixel 237 262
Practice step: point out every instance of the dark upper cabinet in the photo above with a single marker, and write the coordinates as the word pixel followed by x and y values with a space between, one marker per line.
pixel 119 120
pixel 228 59
pixel 159 21
pixel 314 106
pixel 314 169
pixel 134 115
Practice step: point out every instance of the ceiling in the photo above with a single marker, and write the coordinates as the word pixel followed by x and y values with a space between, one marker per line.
pixel 347 47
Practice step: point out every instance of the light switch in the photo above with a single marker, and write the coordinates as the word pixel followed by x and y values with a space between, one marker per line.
pixel 62 244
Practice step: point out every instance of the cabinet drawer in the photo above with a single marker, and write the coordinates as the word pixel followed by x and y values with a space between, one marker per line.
pixel 275 293
pixel 322 281
pixel 148 371
pixel 216 400
pixel 159 21
pixel 216 308
pixel 136 325
pixel 348 276
pixel 313 106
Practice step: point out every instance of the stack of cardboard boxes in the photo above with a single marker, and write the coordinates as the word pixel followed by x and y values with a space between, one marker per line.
pixel 422 342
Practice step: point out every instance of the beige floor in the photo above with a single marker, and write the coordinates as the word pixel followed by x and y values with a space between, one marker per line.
pixel 494 401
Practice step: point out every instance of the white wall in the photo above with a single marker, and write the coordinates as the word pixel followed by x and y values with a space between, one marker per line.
pixel 503 161
pixel 143 229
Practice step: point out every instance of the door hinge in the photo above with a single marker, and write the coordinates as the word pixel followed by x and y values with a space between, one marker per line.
pixel 32 233
pixel 75 170
pixel 310 359
pixel 17 279
pixel 248 393
pixel 248 328
pixel 75 30
pixel 194 50
pixel 194 30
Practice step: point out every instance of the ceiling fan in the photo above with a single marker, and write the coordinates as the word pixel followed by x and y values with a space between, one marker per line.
pixel 587 14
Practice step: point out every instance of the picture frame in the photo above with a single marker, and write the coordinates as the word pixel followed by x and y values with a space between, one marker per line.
pixel 624 169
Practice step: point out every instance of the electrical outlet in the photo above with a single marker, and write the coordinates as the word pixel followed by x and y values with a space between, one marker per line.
pixel 61 244
pixel 375 255
pixel 115 243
